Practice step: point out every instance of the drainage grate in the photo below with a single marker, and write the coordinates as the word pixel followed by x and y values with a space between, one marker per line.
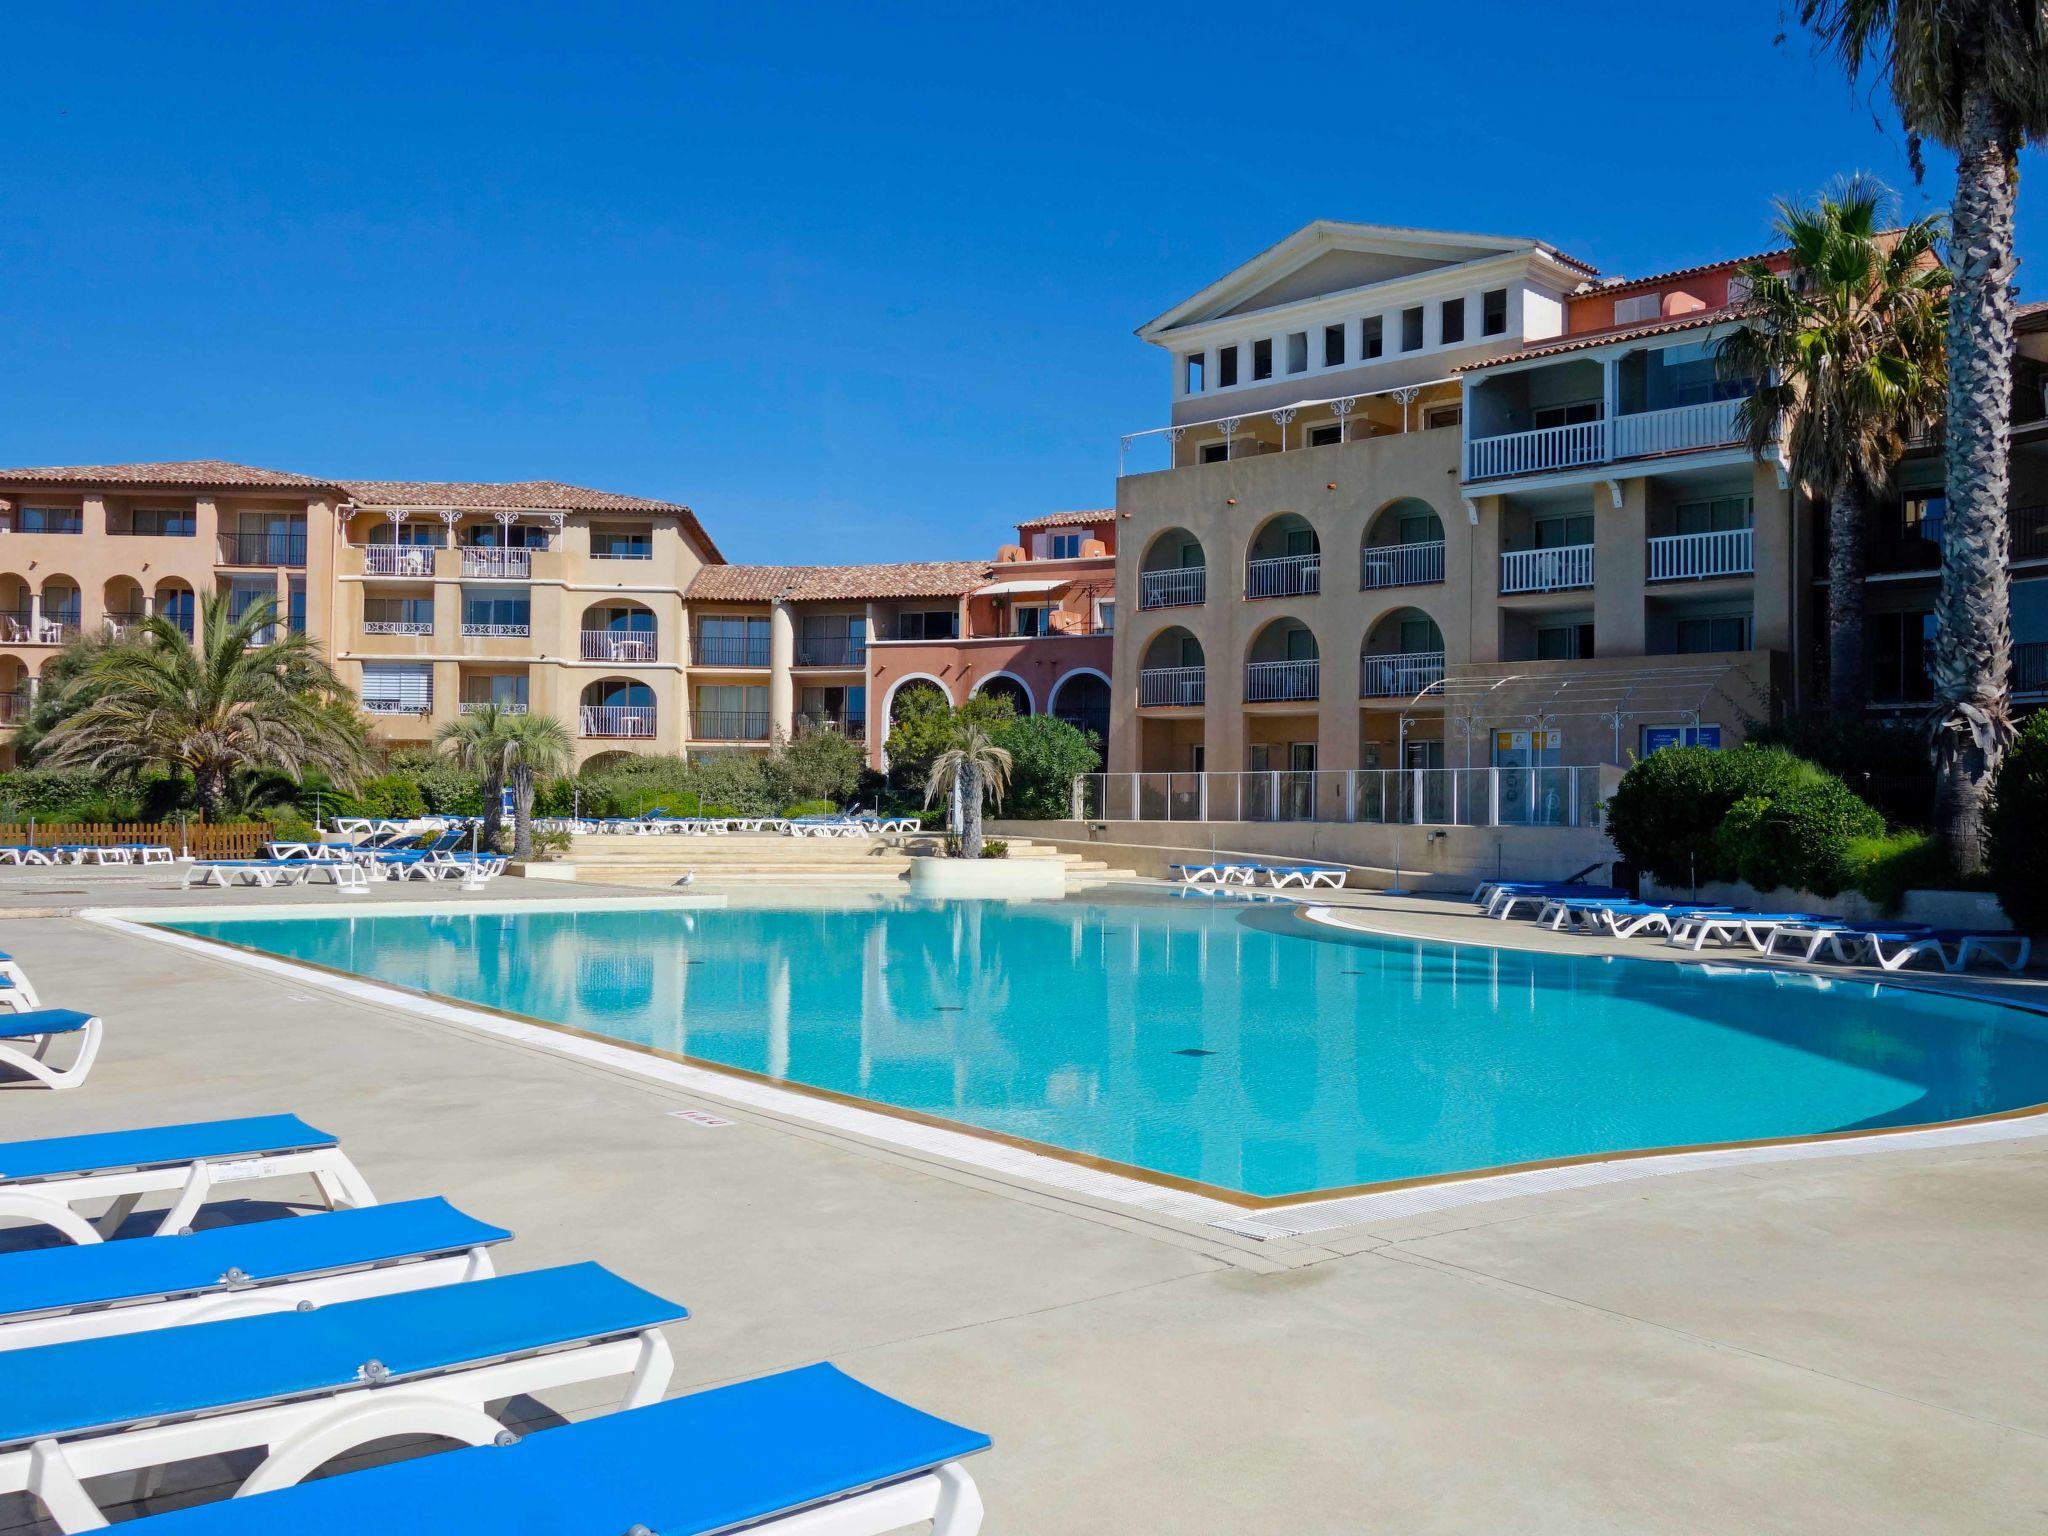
pixel 1193 1050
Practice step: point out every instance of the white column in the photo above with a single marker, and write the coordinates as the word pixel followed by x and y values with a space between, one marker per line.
pixel 781 657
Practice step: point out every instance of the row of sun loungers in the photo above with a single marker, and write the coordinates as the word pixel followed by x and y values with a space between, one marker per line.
pixel 1808 936
pixel 287 1343
pixel 88 853
pixel 1276 875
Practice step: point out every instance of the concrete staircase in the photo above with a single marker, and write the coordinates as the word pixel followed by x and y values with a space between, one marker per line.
pixel 771 858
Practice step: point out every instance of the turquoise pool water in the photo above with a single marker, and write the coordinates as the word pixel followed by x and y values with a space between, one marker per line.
pixel 1236 1045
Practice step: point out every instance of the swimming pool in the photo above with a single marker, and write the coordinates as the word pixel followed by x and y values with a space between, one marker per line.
pixel 1234 1046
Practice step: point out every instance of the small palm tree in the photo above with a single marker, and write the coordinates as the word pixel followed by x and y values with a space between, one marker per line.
pixel 1972 75
pixel 1846 353
pixel 535 746
pixel 475 743
pixel 980 768
pixel 229 704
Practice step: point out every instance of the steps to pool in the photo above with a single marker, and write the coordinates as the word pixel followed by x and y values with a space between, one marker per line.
pixel 769 858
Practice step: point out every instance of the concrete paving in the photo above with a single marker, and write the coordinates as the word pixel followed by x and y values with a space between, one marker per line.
pixel 1840 1345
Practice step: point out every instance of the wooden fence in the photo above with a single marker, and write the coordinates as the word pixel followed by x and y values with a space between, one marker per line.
pixel 237 840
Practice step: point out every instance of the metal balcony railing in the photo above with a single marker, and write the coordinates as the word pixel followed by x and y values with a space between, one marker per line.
pixel 832 651
pixel 2030 667
pixel 474 630
pixel 493 564
pixel 1400 565
pixel 852 727
pixel 398 560
pixel 617 719
pixel 1399 674
pixel 730 651
pixel 1284 576
pixel 390 706
pixel 731 725
pixel 398 626
pixel 504 707
pixel 620 645
pixel 1172 686
pixel 1267 682
pixel 1547 570
pixel 273 548
pixel 1699 556
pixel 1182 587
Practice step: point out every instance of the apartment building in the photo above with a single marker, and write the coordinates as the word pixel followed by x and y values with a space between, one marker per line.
pixel 1433 500
pixel 616 614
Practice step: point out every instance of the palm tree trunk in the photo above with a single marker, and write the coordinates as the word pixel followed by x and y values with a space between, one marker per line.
pixel 210 789
pixel 522 814
pixel 494 811
pixel 970 809
pixel 1973 630
pixel 1848 672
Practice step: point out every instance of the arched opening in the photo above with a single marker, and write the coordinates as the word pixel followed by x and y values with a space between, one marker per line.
pixel 1082 700
pixel 1281 663
pixel 1403 653
pixel 63 610
pixel 913 695
pixel 175 601
pixel 14 690
pixel 1282 666
pixel 16 608
pixel 122 599
pixel 1172 671
pixel 1403 546
pixel 617 706
pixel 1001 685
pixel 619 629
pixel 1173 573
pixel 1284 559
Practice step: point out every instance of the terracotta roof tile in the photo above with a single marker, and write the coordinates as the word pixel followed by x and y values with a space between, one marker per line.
pixel 196 474
pixel 812 583
pixel 524 495
pixel 1607 287
pixel 1069 519
pixel 1581 340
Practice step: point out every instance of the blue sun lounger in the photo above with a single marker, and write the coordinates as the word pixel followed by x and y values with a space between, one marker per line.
pixel 812 1447
pixel 301 1388
pixel 51 1295
pixel 26 1037
pixel 42 1181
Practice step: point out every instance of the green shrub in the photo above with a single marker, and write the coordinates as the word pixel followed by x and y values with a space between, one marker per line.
pixel 2019 828
pixel 444 789
pixel 733 779
pixel 391 796
pixel 994 848
pixel 1045 755
pixel 293 830
pixel 722 810
pixel 1799 838
pixel 809 808
pixel 1884 761
pixel 1894 863
pixel 1665 814
pixel 819 764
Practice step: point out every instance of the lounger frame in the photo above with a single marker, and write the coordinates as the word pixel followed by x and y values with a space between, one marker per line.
pixel 32 1055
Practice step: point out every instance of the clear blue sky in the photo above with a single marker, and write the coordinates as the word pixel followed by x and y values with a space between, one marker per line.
pixel 854 283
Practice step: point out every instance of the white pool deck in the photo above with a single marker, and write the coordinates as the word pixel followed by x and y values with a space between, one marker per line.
pixel 1804 1343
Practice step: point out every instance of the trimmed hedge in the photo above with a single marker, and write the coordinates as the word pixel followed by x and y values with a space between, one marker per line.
pixel 1799 839
pixel 2019 828
pixel 1665 815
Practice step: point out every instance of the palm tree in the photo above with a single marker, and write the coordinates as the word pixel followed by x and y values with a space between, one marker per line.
pixel 534 746
pixel 475 743
pixel 233 702
pixel 1972 75
pixel 1845 348
pixel 980 768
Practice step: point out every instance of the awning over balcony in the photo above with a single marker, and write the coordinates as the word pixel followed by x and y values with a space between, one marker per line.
pixel 1019 588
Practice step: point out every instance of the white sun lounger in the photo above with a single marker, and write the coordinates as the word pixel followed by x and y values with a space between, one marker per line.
pixel 261 872
pixel 27 1037
pixel 1301 874
pixel 51 1295
pixel 44 1181
pixel 809 1452
pixel 302 1388
pixel 16 990
pixel 25 855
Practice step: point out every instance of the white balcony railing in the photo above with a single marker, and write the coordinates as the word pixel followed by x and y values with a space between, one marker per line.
pixel 388 705
pixel 619 645
pixel 1547 570
pixel 503 706
pixel 1678 430
pixel 1400 674
pixel 1452 797
pixel 1529 453
pixel 495 631
pixel 398 626
pixel 1184 587
pixel 1266 682
pixel 398 560
pixel 1284 576
pixel 499 564
pixel 1698 556
pixel 617 719
pixel 1400 565
pixel 1164 686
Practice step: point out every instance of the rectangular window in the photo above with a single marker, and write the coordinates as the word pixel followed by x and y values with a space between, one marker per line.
pixel 1442 416
pixel 1901 648
pixel 1702 633
pixel 1371 338
pixel 1566 415
pixel 1411 329
pixel 1738 288
pixel 1452 323
pixel 1639 307
pixel 1719 514
pixel 1333 346
pixel 394 615
pixel 1564 642
pixel 1034 620
pixel 1064 546
pixel 1493 312
pixel 732 642
pixel 1262 358
pixel 51 520
pixel 398 688
pixel 497 612
pixel 936 624
pixel 1657 737
pixel 1105 616
pixel 1297 352
pixel 164 522
pixel 1326 434
pixel 1922 514
pixel 1564 532
pixel 1215 453
pixel 1226 367
pixel 622 543
pixel 295 606
pixel 1191 369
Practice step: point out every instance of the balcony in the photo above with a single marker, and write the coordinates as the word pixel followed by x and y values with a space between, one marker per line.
pixel 1546 570
pixel 414 560
pixel 731 725
pixel 493 564
pixel 14 707
pixel 1284 576
pixel 1270 682
pixel 263 549
pixel 1633 435
pixel 1185 587
pixel 1701 556
pixel 398 626
pixel 391 706
pixel 472 630
pixel 730 651
pixel 852 727
pixel 1399 674
pixel 1172 687
pixel 503 706
pixel 617 720
pixel 121 621
pixel 2030 667
pixel 1400 565
pixel 832 651
pixel 19 626
pixel 620 645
